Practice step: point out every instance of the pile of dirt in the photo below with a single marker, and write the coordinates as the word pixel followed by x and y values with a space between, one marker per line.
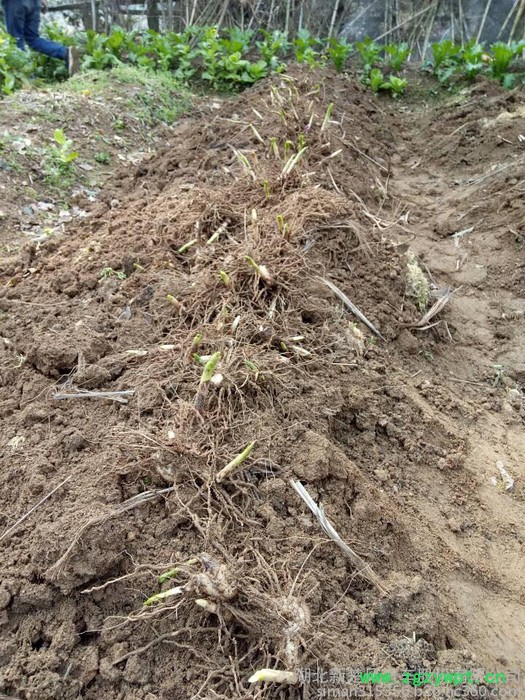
pixel 224 243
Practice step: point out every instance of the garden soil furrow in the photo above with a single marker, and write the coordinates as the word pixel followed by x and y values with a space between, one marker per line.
pixel 397 435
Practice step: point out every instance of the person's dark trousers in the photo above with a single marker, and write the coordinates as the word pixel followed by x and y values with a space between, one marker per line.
pixel 22 19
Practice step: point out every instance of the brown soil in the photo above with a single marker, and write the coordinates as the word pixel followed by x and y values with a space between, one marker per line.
pixel 397 437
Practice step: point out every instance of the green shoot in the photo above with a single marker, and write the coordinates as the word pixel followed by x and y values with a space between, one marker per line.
pixel 274 148
pixel 270 675
pixel 176 303
pixel 225 278
pixel 418 286
pixel 298 350
pixel 216 235
pixel 293 160
pixel 261 270
pixel 209 368
pixel 172 573
pixel 327 117
pixel 187 245
pixel 168 574
pixel 178 590
pixel 283 227
pixel 245 163
pixel 267 191
pixel 236 462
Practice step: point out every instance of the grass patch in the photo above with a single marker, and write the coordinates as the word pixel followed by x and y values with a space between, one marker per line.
pixel 156 97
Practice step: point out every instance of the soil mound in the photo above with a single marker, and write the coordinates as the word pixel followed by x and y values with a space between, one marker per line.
pixel 201 296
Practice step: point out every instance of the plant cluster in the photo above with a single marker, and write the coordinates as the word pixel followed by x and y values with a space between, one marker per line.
pixel 229 60
pixel 382 65
pixel 58 159
pixel 453 61
pixel 225 61
pixel 14 68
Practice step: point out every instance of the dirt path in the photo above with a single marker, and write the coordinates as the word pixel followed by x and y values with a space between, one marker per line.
pixel 396 435
pixel 461 169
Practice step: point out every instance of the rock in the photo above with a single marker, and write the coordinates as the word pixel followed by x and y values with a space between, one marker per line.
pixel 407 342
pixel 382 475
pixel 35 413
pixel 519 371
pixel 89 666
pixel 109 672
pixel 454 524
pixel 317 458
pixel 75 442
pixel 5 598
pixel 136 671
pixel 33 596
pixel 55 353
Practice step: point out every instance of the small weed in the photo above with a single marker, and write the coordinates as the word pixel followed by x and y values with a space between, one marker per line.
pixel 108 272
pixel 103 158
pixel 499 375
pixel 428 355
pixel 417 283
pixel 119 124
pixel 58 160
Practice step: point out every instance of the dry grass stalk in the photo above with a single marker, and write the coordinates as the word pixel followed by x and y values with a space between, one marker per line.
pixel 117 396
pixel 363 569
pixel 439 305
pixel 31 510
pixel 353 308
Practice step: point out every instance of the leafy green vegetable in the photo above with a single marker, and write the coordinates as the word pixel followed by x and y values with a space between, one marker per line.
pixel 397 55
pixel 338 51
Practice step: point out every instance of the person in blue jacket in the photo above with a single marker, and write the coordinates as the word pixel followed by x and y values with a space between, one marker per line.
pixel 22 19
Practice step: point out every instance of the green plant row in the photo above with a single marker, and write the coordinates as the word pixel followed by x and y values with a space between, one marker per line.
pixel 450 61
pixel 232 59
